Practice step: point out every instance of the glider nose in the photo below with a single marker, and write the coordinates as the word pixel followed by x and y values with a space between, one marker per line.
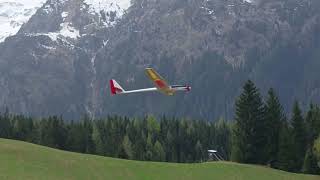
pixel 188 88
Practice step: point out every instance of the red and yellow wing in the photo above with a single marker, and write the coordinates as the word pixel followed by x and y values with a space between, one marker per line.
pixel 159 82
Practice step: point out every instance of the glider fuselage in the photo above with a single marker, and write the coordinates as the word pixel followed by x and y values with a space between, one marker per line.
pixel 170 91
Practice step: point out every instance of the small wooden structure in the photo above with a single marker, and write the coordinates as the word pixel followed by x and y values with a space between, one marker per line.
pixel 214 156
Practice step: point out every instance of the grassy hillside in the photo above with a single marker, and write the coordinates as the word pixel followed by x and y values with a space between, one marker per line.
pixel 19 160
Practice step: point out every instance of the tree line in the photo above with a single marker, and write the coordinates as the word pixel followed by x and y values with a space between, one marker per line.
pixel 261 133
pixel 147 139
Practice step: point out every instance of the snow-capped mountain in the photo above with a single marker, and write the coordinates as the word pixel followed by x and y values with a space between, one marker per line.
pixel 64 37
pixel 14 13
pixel 62 58
pixel 109 10
pixel 72 19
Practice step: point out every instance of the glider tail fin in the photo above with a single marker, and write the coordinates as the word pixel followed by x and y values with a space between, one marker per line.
pixel 115 87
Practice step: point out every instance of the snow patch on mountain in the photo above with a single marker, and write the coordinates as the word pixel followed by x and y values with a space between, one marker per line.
pixel 248 1
pixel 53 5
pixel 109 10
pixel 66 31
pixel 14 13
pixel 64 15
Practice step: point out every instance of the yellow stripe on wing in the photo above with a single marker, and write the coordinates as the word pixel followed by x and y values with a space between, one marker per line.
pixel 153 75
pixel 159 82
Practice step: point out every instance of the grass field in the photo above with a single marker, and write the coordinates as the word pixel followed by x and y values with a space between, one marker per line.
pixel 19 160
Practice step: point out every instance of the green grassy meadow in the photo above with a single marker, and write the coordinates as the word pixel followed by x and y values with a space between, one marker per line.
pixel 20 160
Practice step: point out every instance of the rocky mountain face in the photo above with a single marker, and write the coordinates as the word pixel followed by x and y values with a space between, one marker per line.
pixel 47 67
pixel 60 61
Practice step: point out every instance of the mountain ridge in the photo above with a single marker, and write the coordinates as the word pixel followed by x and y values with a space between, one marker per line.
pixel 212 45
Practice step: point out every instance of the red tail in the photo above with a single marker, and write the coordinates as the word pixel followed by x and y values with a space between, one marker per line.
pixel 112 88
pixel 115 87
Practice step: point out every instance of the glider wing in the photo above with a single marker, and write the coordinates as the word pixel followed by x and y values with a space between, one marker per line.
pixel 159 82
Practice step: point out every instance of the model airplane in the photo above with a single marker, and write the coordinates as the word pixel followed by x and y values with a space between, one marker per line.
pixel 160 83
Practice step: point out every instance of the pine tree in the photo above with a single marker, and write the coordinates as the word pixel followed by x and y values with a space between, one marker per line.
pixel 97 138
pixel 46 131
pixel 317 149
pixel 153 126
pixel 87 134
pixel 274 118
pixel 75 138
pixel 170 147
pixel 222 138
pixel 17 129
pixel 310 164
pixel 149 149
pixel 35 133
pixel 198 152
pixel 299 136
pixel 312 124
pixel 159 154
pixel 249 136
pixel 5 125
pixel 140 140
pixel 58 132
pixel 127 146
pixel 285 156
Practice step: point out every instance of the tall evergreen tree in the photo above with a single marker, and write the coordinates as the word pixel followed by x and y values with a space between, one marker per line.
pixel 274 118
pixel 299 136
pixel 222 138
pixel 312 124
pixel 159 154
pixel 5 125
pixel 140 140
pixel 249 136
pixel 317 149
pixel 198 152
pixel 97 138
pixel 75 138
pixel 170 148
pixel 149 148
pixel 285 155
pixel 59 133
pixel 46 131
pixel 127 146
pixel 310 164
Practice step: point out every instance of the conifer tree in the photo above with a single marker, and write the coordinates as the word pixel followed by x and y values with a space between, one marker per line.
pixel 97 138
pixel 35 132
pixel 310 164
pixel 285 155
pixel 149 149
pixel 5 125
pixel 249 136
pixel 127 146
pixel 17 129
pixel 198 151
pixel 75 138
pixel 140 140
pixel 222 138
pixel 317 149
pixel 274 118
pixel 159 154
pixel 312 124
pixel 299 136
pixel 170 147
